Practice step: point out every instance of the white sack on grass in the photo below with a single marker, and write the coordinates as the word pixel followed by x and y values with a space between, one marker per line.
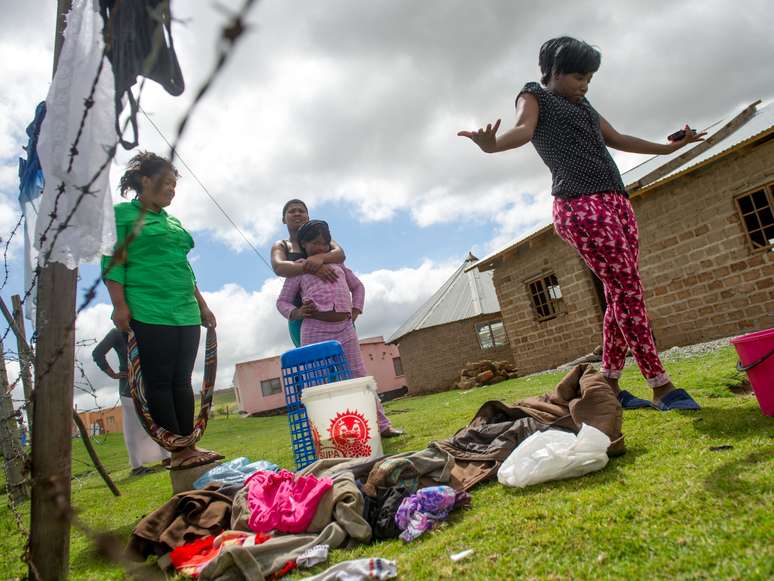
pixel 91 232
pixel 554 455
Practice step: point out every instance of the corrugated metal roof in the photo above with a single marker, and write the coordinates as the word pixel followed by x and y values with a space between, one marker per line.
pixel 462 296
pixel 759 123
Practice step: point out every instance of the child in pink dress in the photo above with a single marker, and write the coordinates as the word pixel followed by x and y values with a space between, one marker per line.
pixel 329 309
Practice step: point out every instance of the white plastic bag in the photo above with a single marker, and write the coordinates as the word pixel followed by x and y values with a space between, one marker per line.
pixel 554 455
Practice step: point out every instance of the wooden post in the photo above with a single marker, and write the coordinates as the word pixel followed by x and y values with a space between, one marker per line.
pixel 24 350
pixel 54 378
pixel 9 439
pixel 25 357
pixel 93 454
pixel 52 446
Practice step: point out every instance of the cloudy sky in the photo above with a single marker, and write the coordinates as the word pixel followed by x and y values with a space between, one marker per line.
pixel 354 106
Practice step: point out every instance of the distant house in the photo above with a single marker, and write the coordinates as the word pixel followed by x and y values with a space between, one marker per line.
pixel 706 220
pixel 258 383
pixel 101 421
pixel 461 322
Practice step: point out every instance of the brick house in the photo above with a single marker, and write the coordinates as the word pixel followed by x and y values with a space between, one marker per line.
pixel 706 219
pixel 461 322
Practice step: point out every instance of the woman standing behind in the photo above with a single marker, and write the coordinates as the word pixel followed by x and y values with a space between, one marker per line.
pixel 153 291
pixel 288 258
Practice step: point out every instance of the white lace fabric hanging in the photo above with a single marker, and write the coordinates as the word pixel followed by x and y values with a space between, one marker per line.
pixel 90 232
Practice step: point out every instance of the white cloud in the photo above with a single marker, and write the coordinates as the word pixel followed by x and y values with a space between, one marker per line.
pixel 362 106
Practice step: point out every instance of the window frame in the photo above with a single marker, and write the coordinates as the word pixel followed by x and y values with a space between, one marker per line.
pixel 397 363
pixel 554 304
pixel 488 325
pixel 270 380
pixel 768 192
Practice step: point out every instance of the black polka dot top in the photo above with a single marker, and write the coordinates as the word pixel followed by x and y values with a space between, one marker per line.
pixel 569 140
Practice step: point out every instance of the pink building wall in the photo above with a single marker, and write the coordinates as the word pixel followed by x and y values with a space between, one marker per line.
pixel 377 356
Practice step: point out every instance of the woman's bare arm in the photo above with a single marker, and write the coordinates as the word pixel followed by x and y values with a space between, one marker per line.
pixel 526 120
pixel 632 144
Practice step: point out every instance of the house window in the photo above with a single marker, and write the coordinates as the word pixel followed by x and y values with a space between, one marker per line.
pixel 396 363
pixel 271 386
pixel 545 295
pixel 757 212
pixel 491 334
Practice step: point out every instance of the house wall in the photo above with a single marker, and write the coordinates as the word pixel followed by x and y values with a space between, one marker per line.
pixel 112 420
pixel 433 357
pixel 574 331
pixel 248 376
pixel 702 280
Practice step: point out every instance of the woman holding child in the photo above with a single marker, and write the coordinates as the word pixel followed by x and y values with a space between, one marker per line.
pixel 327 303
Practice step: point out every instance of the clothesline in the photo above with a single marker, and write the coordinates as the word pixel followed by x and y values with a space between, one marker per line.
pixel 206 191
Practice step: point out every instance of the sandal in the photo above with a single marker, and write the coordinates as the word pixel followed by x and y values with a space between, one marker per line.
pixel 629 401
pixel 678 399
pixel 207 457
pixel 391 432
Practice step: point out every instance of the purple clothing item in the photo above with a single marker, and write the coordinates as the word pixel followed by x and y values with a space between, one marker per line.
pixel 280 501
pixel 346 293
pixel 420 512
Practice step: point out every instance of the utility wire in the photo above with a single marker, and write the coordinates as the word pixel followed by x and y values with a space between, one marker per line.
pixel 206 191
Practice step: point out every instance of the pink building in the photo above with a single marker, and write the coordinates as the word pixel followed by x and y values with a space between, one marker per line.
pixel 258 384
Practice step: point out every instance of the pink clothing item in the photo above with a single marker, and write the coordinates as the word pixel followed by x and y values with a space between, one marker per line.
pixel 314 331
pixel 282 502
pixel 603 229
pixel 346 293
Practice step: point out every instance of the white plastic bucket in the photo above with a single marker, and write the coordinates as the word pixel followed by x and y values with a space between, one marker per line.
pixel 342 418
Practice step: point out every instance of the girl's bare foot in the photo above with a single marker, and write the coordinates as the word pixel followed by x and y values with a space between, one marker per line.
pixel 661 391
pixel 613 382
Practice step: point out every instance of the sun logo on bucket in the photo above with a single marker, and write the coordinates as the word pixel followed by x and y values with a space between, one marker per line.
pixel 350 433
pixel 323 451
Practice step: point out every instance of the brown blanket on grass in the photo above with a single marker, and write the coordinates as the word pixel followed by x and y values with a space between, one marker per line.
pixel 582 396
pixel 185 517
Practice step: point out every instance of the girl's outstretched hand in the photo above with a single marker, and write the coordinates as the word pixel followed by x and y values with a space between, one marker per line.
pixel 690 137
pixel 486 139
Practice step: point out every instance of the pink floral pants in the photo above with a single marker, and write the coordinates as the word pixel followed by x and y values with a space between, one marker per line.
pixel 603 229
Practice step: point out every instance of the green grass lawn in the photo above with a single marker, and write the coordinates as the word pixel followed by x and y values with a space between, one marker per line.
pixel 670 508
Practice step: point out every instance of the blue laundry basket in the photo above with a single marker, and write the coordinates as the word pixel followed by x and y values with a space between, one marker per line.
pixel 314 364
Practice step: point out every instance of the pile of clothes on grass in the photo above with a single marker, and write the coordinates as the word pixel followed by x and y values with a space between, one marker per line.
pixel 256 521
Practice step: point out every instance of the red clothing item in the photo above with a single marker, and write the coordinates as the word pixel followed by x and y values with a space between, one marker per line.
pixel 192 557
pixel 280 501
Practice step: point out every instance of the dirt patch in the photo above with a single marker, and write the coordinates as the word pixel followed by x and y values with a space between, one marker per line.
pixel 742 388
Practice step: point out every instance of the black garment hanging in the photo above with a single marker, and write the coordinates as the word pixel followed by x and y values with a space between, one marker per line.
pixel 138 41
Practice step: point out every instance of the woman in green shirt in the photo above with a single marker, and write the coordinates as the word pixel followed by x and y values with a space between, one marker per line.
pixel 153 291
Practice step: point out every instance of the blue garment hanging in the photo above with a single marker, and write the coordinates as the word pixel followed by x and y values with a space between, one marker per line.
pixel 31 183
pixel 30 174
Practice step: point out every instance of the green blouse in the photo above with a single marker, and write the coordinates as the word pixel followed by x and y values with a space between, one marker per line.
pixel 158 281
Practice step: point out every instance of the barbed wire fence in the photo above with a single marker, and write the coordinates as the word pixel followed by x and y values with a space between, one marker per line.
pixel 106 544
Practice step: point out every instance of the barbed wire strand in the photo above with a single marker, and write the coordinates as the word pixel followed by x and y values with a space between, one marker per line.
pixel 230 34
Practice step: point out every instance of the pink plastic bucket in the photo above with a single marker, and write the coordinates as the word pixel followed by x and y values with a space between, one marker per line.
pixel 756 357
